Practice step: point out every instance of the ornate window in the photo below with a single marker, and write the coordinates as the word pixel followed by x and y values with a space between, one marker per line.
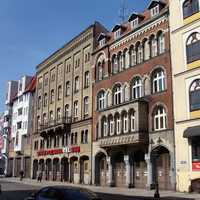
pixel 139 51
pixel 59 92
pixel 45 99
pixel 159 118
pixel 101 100
pixel 190 7
pixel 125 122
pixel 120 60
pixel 86 105
pixel 126 59
pixel 104 124
pixel 118 124
pixel 114 64
pixel 161 43
pixel 132 121
pixel 52 96
pixel 136 88
pixel 153 46
pixel 67 89
pixel 76 85
pixel 195 95
pixel 117 95
pixel 132 56
pixel 158 81
pixel 58 114
pixel 111 125
pixel 193 47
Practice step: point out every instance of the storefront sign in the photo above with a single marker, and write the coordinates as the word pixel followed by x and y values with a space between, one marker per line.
pixel 59 151
pixel 196 166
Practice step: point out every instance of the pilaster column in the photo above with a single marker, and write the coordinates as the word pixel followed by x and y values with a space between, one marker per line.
pixel 128 171
pixel 149 170
pixel 110 172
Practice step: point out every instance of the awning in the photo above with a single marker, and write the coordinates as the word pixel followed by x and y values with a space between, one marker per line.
pixel 192 132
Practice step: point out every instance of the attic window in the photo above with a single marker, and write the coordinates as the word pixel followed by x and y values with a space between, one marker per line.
pixel 117 34
pixel 134 23
pixel 102 42
pixel 155 10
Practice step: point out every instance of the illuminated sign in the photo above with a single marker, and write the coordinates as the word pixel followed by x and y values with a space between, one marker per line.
pixel 59 151
pixel 196 166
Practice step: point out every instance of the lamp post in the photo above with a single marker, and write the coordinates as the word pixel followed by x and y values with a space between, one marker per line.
pixel 155 156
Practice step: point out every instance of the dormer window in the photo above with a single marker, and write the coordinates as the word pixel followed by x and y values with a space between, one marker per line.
pixel 117 34
pixel 155 11
pixel 102 42
pixel 135 23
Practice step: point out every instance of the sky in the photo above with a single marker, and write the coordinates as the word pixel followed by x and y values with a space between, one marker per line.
pixel 31 30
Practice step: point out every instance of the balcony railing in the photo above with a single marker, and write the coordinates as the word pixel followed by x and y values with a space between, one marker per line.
pixel 54 123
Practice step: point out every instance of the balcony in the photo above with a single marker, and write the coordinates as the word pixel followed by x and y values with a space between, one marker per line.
pixel 53 125
pixel 125 139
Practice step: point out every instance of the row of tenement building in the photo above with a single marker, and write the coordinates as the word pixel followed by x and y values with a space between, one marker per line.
pixel 116 108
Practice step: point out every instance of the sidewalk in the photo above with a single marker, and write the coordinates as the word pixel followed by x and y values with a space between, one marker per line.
pixel 108 190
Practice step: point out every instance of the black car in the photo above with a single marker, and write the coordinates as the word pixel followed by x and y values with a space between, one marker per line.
pixel 63 193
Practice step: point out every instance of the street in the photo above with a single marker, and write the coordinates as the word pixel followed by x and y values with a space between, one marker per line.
pixel 17 191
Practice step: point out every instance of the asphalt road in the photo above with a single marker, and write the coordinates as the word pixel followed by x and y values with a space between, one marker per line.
pixel 16 191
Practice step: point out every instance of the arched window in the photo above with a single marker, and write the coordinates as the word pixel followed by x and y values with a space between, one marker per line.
pixel 126 59
pixel 125 122
pixel 104 126
pixel 146 50
pixel 111 125
pixel 117 95
pixel 117 124
pixel 132 120
pixel 195 95
pixel 45 100
pixel 139 50
pixel 58 114
pixel 120 62
pixel 159 118
pixel 190 7
pixel 101 100
pixel 59 92
pixel 132 56
pixel 100 71
pixel 136 88
pixel 158 81
pixel 193 47
pixel 52 96
pixel 153 43
pixel 161 43
pixel 114 64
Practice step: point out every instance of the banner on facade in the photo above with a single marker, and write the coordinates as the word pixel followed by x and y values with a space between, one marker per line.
pixel 59 151
pixel 196 166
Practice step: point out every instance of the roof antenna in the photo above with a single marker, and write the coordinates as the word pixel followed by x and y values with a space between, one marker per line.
pixel 123 11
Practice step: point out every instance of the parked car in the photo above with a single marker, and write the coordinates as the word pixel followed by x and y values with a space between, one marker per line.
pixel 63 193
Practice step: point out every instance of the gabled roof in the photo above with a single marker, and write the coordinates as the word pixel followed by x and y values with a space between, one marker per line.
pixel 134 16
pixel 156 2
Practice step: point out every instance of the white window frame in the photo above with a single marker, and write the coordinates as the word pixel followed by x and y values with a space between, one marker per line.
pixel 102 42
pixel 135 23
pixel 132 121
pixel 125 123
pixel 118 95
pixel 101 101
pixel 118 125
pixel 105 128
pixel 117 34
pixel 161 43
pixel 86 105
pixel 75 109
pixel 160 115
pixel 156 80
pixel 155 10
pixel 137 88
pixel 126 60
pixel 111 127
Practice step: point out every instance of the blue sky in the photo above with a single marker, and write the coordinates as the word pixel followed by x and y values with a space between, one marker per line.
pixel 30 30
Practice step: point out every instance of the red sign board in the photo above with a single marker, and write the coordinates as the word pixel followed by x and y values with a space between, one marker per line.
pixel 196 166
pixel 58 151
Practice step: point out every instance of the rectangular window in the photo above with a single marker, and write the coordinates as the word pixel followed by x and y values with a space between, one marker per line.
pixel 102 42
pixel 135 23
pixel 86 105
pixel 20 110
pixel 19 125
pixel 155 11
pixel 87 79
pixel 75 109
pixel 76 86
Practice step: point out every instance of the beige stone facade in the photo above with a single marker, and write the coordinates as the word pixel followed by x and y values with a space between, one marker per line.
pixel 185 48
pixel 63 116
